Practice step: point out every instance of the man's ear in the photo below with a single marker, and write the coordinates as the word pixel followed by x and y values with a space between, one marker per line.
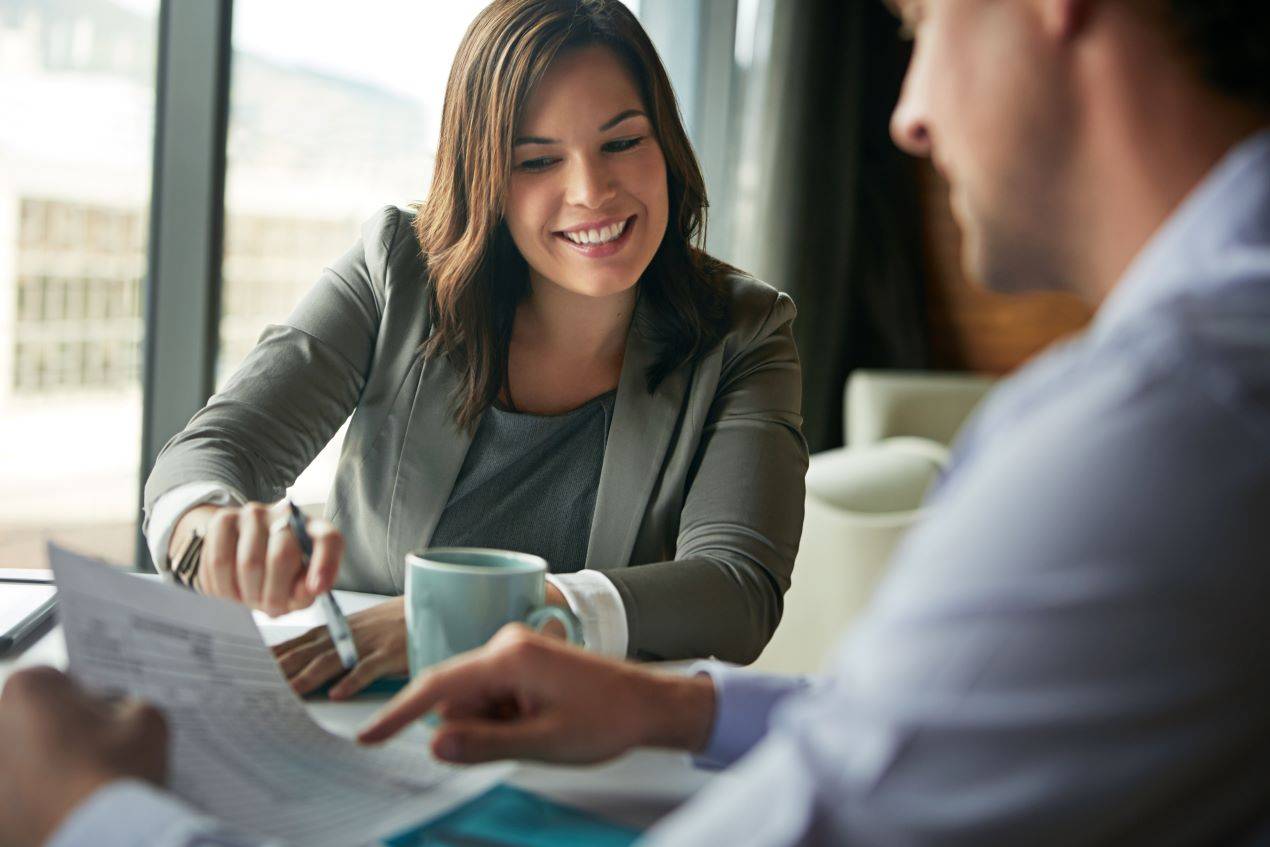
pixel 1066 19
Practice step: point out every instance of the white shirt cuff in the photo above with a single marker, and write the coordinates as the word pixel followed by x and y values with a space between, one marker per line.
pixel 593 597
pixel 129 813
pixel 173 504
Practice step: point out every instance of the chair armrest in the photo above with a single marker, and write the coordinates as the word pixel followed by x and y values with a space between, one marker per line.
pixel 884 404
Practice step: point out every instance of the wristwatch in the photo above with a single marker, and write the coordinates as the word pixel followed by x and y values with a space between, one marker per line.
pixel 184 566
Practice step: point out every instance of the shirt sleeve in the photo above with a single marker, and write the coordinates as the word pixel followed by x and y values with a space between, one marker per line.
pixel 1069 649
pixel 131 813
pixel 172 505
pixel 742 511
pixel 744 701
pixel 598 605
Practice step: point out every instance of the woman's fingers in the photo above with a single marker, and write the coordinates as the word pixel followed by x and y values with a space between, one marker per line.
pixel 283 567
pixel 251 555
pixel 305 638
pixel 324 564
pixel 296 658
pixel 321 669
pixel 300 596
pixel 218 567
pixel 253 537
pixel 363 674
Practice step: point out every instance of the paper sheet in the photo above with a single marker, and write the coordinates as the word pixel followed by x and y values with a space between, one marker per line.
pixel 243 747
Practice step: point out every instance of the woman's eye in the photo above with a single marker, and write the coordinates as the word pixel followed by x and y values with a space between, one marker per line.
pixel 539 164
pixel 623 144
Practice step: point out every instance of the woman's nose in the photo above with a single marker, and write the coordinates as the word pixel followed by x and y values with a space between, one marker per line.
pixel 591 184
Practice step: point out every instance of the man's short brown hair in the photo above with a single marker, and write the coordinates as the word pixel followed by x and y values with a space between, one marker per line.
pixel 1229 40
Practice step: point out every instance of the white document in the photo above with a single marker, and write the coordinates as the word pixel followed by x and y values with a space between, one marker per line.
pixel 243 747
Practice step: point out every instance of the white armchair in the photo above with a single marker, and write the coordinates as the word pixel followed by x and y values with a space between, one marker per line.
pixel 884 404
pixel 862 498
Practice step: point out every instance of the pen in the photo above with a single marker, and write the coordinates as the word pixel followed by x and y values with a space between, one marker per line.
pixel 336 624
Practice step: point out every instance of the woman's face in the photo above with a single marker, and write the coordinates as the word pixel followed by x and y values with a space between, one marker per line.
pixel 587 202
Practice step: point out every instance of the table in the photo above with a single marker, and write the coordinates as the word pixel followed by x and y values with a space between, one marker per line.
pixel 634 790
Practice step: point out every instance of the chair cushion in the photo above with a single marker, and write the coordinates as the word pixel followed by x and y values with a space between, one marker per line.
pixel 887 477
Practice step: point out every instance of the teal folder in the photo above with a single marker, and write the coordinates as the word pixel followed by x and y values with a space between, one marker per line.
pixel 508 817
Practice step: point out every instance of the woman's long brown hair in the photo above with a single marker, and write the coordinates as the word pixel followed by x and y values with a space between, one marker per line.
pixel 477 275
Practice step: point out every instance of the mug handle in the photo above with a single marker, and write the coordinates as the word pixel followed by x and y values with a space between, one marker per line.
pixel 541 616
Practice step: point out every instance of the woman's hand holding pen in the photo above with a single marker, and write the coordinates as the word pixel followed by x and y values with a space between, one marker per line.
pixel 251 556
pixel 379 632
pixel 310 661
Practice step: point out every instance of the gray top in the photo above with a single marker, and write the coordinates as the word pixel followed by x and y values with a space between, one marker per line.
pixel 528 484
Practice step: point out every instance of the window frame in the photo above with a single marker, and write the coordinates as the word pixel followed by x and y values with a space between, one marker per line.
pixel 183 268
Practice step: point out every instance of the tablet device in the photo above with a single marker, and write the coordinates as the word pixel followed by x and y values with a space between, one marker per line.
pixel 27 600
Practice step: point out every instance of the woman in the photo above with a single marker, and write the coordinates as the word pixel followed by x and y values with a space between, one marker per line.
pixel 540 358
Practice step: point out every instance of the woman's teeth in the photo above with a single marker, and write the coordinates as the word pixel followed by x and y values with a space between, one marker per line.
pixel 597 236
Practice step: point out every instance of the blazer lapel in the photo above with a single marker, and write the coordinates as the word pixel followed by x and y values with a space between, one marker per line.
pixel 639 436
pixel 432 454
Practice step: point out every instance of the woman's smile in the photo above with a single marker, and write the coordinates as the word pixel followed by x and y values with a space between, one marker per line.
pixel 599 239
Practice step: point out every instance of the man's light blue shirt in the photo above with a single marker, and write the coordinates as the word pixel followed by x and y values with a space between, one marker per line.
pixel 1074 647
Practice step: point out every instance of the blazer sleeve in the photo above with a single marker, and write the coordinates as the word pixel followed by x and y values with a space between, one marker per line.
pixel 295 388
pixel 742 516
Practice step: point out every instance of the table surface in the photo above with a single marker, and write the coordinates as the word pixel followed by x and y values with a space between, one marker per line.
pixel 634 790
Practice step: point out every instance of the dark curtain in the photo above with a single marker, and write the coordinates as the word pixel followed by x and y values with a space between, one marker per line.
pixel 845 224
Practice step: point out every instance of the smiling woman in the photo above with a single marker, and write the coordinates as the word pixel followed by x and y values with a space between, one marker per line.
pixel 539 358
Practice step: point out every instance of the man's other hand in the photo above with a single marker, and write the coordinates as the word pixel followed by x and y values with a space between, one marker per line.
pixel 61 744
pixel 530 696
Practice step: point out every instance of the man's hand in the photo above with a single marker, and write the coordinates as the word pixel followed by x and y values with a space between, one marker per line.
pixel 528 696
pixel 61 744
pixel 379 634
pixel 251 556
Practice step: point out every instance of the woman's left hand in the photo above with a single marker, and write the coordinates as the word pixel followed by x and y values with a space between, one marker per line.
pixel 380 635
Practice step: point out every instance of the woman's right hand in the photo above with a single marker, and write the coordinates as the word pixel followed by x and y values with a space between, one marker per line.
pixel 251 556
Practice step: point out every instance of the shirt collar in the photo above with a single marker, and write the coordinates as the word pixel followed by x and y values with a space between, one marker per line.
pixel 1183 253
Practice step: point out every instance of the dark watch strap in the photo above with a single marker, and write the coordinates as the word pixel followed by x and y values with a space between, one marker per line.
pixel 185 565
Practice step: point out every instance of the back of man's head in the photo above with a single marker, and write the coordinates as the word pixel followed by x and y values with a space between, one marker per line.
pixel 1229 41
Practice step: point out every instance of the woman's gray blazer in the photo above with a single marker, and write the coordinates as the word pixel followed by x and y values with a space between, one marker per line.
pixel 700 501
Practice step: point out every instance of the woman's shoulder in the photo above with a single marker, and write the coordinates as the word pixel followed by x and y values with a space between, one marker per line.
pixel 388 239
pixel 755 309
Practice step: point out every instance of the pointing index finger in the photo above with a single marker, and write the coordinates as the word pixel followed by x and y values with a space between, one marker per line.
pixel 465 678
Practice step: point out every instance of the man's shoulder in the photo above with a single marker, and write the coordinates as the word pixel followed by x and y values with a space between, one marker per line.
pixel 1211 345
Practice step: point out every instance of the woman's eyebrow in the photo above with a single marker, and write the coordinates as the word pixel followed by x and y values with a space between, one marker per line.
pixel 617 119
pixel 534 139
pixel 604 127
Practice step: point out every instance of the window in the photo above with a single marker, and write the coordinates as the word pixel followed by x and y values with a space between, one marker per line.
pixel 74 187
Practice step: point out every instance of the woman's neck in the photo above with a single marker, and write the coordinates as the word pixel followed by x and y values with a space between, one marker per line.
pixel 556 318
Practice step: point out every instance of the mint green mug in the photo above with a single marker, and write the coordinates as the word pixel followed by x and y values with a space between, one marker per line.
pixel 458 597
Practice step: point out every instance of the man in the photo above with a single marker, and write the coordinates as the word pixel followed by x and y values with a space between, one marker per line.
pixel 1073 647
